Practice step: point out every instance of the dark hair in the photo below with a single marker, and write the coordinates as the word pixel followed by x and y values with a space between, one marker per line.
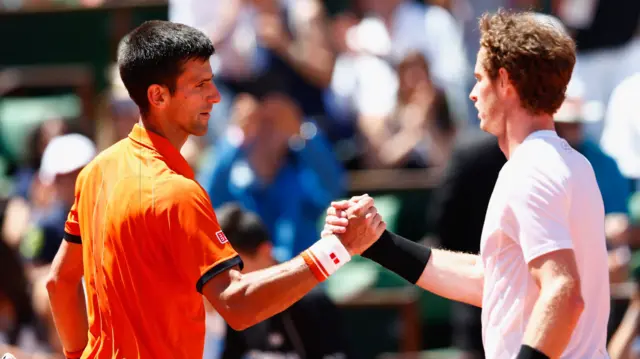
pixel 538 57
pixel 244 229
pixel 154 53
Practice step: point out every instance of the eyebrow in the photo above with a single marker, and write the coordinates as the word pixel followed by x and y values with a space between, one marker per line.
pixel 210 78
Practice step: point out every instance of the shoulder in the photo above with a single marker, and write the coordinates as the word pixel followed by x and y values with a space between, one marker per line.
pixel 177 189
pixel 97 169
pixel 539 159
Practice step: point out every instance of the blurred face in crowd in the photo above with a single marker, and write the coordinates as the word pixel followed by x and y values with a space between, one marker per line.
pixel 413 73
pixel 261 259
pixel 280 118
pixel 65 186
pixel 489 98
pixel 124 114
pixel 190 105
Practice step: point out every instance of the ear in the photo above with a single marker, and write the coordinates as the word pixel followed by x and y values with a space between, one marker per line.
pixel 504 80
pixel 158 96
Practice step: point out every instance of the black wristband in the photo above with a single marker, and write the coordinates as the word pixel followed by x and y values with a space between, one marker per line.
pixel 399 255
pixel 527 352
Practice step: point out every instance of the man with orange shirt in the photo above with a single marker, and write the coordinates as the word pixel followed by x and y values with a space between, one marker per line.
pixel 143 232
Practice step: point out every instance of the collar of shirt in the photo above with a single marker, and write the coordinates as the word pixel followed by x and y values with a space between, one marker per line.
pixel 143 137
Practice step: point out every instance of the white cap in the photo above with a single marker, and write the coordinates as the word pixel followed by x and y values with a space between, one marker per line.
pixel 65 154
pixel 574 109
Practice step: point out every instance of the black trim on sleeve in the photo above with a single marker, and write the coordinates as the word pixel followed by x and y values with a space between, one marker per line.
pixel 217 269
pixel 399 255
pixel 72 239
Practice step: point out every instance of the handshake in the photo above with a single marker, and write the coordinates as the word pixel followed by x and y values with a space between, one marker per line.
pixel 355 222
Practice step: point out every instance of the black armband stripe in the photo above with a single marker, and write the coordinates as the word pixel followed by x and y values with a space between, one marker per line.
pixel 399 255
pixel 217 269
pixel 72 238
pixel 527 352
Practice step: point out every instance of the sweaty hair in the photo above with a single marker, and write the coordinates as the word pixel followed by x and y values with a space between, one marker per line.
pixel 538 57
pixel 244 229
pixel 154 53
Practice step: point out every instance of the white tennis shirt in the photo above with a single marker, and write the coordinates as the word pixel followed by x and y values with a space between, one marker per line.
pixel 546 199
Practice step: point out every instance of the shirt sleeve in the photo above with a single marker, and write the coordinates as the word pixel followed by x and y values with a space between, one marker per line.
pixel 538 213
pixel 202 250
pixel 72 224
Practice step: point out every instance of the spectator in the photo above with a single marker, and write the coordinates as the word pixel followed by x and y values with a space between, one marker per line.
pixel 277 164
pixel 118 116
pixel 62 161
pixel 621 135
pixel 308 329
pixel 25 178
pixel 15 303
pixel 615 188
pixel 419 132
pixel 265 45
pixel 432 31
pixel 608 46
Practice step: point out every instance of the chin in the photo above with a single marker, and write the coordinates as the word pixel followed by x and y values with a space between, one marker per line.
pixel 199 131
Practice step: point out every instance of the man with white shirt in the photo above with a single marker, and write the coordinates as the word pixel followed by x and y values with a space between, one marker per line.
pixel 541 276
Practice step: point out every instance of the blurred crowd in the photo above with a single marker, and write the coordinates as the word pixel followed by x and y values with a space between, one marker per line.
pixel 312 90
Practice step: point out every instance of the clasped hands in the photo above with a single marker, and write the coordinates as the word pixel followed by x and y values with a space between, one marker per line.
pixel 356 222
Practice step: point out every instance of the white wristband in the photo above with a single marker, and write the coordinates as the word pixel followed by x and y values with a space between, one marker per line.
pixel 329 254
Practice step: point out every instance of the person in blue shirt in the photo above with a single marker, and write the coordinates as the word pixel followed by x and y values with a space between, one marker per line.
pixel 615 188
pixel 274 163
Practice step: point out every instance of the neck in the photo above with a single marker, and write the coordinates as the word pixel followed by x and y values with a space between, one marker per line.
pixel 520 127
pixel 176 136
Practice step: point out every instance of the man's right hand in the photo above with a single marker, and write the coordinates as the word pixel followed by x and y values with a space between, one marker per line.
pixel 355 222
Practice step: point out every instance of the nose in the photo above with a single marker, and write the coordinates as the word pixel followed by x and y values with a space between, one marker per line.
pixel 472 96
pixel 215 96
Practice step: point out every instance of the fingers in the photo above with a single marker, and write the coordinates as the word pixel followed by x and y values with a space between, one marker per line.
pixel 344 204
pixel 331 230
pixel 382 226
pixel 360 208
pixel 336 221
pixel 332 211
pixel 370 214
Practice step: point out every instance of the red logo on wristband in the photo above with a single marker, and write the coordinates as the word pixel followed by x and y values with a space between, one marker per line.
pixel 334 258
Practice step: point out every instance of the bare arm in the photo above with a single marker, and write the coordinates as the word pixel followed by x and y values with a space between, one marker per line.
pixel 559 305
pixel 456 276
pixel 67 297
pixel 246 299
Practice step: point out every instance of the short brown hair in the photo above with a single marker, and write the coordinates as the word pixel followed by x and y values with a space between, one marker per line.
pixel 538 57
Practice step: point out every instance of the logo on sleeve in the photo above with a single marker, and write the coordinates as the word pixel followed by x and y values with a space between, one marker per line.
pixel 221 237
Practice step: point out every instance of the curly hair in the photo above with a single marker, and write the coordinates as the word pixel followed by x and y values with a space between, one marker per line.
pixel 538 56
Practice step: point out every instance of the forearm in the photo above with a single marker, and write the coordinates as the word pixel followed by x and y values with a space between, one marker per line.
pixel 553 319
pixel 264 293
pixel 69 313
pixel 251 298
pixel 456 276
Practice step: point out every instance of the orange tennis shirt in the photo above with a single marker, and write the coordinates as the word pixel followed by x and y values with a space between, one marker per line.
pixel 150 241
